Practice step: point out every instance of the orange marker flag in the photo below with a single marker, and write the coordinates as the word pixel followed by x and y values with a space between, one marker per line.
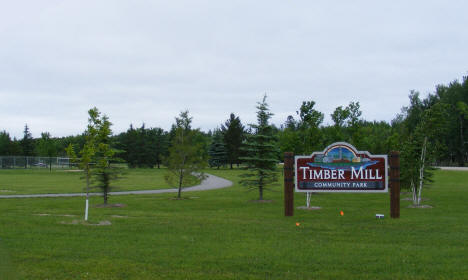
pixel 341 213
pixel 298 224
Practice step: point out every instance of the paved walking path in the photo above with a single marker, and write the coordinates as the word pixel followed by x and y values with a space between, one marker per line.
pixel 453 168
pixel 210 183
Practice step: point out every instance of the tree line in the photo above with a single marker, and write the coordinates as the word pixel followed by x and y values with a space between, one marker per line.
pixel 429 131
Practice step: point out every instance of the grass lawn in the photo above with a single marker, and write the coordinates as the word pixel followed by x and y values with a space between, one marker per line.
pixel 222 234
pixel 37 181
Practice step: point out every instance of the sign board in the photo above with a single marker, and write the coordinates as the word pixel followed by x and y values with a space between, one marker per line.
pixel 341 168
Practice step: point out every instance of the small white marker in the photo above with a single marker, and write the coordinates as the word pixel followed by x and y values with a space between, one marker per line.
pixel 379 216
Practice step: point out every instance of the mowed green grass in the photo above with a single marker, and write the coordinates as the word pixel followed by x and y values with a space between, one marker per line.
pixel 223 234
pixel 38 181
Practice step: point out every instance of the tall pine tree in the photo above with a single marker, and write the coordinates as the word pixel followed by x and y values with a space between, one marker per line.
pixel 217 150
pixel 27 143
pixel 233 132
pixel 261 152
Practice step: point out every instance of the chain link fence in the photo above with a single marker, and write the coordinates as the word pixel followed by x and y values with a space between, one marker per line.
pixel 12 162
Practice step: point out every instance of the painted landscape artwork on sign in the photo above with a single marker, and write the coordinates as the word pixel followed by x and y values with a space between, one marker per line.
pixel 341 168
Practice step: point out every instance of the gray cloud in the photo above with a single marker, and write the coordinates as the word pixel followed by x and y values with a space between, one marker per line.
pixel 145 61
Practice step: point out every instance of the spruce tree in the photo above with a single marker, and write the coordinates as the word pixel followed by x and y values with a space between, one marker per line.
pixel 157 145
pixel 233 132
pixel 217 150
pixel 261 152
pixel 27 143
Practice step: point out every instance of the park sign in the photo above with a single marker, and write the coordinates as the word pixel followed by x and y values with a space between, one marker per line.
pixel 341 168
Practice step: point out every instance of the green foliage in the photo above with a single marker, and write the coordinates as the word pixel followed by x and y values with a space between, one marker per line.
pixel 143 147
pixel 233 133
pixel 187 156
pixel 339 116
pixel 290 141
pixel 260 152
pixel 97 153
pixel 27 143
pixel 5 143
pixel 217 150
pixel 455 97
pixel 100 135
pixel 46 146
pixel 302 136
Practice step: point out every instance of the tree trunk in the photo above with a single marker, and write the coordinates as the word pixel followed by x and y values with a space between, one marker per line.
pixel 421 170
pixel 181 177
pixel 461 158
pixel 413 191
pixel 105 197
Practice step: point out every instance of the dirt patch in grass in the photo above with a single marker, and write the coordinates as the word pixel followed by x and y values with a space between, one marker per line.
pixel 118 216
pixel 182 198
pixel 114 205
pixel 57 215
pixel 420 206
pixel 411 199
pixel 80 222
pixel 6 191
pixel 311 208
pixel 261 201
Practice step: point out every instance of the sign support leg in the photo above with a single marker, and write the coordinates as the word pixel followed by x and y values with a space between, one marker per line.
pixel 394 184
pixel 288 184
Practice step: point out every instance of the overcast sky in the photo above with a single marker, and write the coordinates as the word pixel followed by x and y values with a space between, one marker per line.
pixel 145 61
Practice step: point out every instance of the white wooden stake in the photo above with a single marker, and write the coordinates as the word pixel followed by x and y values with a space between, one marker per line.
pixel 86 210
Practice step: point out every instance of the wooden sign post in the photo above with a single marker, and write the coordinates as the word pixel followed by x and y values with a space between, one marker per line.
pixel 394 184
pixel 288 184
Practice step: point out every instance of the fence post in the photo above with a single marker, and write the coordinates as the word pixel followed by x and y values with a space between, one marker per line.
pixel 394 184
pixel 288 184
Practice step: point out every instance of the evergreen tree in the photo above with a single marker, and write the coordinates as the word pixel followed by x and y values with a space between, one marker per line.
pixel 130 147
pixel 157 144
pixel 5 143
pixel 143 147
pixel 233 133
pixel 217 150
pixel 27 143
pixel 261 152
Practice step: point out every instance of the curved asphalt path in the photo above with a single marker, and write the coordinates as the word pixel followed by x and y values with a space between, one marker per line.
pixel 210 183
pixel 453 168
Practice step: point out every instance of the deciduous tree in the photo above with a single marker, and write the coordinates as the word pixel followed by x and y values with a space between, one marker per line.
pixel 187 157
